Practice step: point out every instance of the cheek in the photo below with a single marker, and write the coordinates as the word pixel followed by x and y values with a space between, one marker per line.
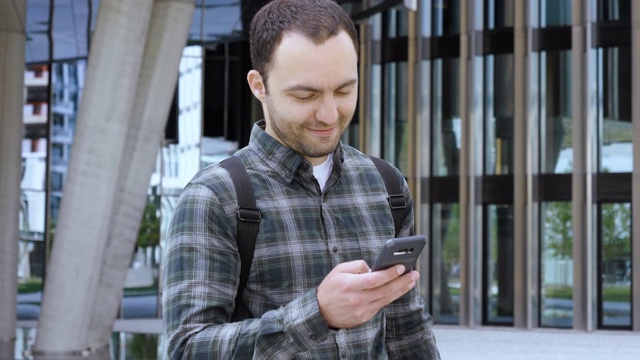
pixel 347 107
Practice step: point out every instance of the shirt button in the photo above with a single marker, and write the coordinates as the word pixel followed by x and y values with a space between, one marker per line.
pixel 344 354
pixel 314 337
pixel 335 249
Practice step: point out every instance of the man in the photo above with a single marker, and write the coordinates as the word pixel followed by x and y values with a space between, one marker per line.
pixel 325 216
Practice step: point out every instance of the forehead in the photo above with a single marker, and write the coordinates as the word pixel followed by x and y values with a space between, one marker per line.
pixel 299 59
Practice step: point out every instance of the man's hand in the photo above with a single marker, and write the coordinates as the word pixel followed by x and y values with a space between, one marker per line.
pixel 351 295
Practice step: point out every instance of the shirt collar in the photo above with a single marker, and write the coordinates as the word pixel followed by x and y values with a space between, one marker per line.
pixel 284 160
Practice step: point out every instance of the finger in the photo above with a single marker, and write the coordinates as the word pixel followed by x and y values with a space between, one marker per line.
pixel 376 279
pixel 394 290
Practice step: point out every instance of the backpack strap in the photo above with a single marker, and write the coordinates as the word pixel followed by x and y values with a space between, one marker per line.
pixel 247 229
pixel 397 202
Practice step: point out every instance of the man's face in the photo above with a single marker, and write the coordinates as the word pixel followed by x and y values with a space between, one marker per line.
pixel 311 95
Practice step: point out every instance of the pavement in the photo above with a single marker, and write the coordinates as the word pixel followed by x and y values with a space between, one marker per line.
pixel 456 343
pixel 484 343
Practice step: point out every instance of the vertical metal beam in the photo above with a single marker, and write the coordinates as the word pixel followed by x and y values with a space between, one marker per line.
pixel 635 196
pixel 583 86
pixel 470 167
pixel 364 86
pixel 522 164
pixel 413 121
pixel 12 59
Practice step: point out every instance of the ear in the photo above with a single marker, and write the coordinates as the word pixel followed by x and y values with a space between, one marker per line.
pixel 256 84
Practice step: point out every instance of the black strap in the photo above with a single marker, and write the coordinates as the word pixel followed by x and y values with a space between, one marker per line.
pixel 397 202
pixel 248 219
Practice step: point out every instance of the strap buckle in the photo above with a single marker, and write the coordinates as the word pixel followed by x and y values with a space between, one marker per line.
pixel 397 202
pixel 249 215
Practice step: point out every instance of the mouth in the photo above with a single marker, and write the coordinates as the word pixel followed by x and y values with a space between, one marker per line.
pixel 323 132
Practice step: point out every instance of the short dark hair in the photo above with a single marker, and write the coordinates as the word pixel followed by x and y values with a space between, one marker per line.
pixel 317 20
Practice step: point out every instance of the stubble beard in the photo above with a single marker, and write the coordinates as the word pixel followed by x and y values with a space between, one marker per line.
pixel 294 137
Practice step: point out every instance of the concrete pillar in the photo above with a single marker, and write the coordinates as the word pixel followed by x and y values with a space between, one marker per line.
pixel 12 60
pixel 168 32
pixel 73 273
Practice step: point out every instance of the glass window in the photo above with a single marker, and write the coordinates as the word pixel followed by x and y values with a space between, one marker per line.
pixel 498 13
pixel 498 108
pixel 142 282
pixel 445 17
pixel 445 242
pixel 613 10
pixel 445 117
pixel 498 280
pixel 556 265
pixel 614 290
pixel 616 138
pixel 396 23
pixel 396 137
pixel 556 122
pixel 555 12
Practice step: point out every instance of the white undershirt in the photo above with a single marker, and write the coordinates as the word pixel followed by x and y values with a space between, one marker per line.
pixel 322 171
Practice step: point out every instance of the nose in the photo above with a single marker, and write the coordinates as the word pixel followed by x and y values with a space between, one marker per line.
pixel 327 111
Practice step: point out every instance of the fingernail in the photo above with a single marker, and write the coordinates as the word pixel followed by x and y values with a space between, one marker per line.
pixel 400 269
pixel 415 276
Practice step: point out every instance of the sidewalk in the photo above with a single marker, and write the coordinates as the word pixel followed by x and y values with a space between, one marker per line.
pixel 456 343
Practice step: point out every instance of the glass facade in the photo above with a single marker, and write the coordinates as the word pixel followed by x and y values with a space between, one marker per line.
pixel 514 130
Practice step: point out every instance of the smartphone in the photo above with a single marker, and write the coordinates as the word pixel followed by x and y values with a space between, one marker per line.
pixel 404 250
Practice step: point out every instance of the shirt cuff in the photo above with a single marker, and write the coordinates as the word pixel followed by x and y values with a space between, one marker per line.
pixel 303 322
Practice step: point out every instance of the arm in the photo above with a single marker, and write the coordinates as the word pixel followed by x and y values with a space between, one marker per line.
pixel 200 280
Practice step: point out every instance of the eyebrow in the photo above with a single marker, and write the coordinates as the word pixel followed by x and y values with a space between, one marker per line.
pixel 314 89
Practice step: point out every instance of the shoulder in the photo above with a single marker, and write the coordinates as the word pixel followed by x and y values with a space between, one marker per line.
pixel 357 160
pixel 210 186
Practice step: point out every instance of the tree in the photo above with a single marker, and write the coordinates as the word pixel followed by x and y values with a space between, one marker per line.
pixel 615 223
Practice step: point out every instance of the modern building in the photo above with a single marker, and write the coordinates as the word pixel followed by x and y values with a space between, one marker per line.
pixel 512 120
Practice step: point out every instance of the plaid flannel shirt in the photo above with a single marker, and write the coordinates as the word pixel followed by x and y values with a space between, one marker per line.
pixel 303 234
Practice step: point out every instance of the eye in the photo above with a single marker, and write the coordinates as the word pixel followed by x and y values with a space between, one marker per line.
pixel 344 91
pixel 303 96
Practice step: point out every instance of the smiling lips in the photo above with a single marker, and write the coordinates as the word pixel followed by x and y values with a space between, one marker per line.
pixel 323 132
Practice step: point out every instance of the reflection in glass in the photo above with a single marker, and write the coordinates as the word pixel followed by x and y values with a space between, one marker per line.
pixel 33 193
pixel 498 256
pixel 137 346
pixel 615 264
pixel 445 240
pixel 445 117
pixel 396 22
pixel 556 122
pixel 67 85
pixel 499 13
pixel 445 17
pixel 140 296
pixel 613 10
pixel 555 12
pixel 614 88
pixel 556 265
pixel 396 137
pixel 498 114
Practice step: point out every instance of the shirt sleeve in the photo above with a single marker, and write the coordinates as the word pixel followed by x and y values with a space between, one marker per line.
pixel 408 323
pixel 200 279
